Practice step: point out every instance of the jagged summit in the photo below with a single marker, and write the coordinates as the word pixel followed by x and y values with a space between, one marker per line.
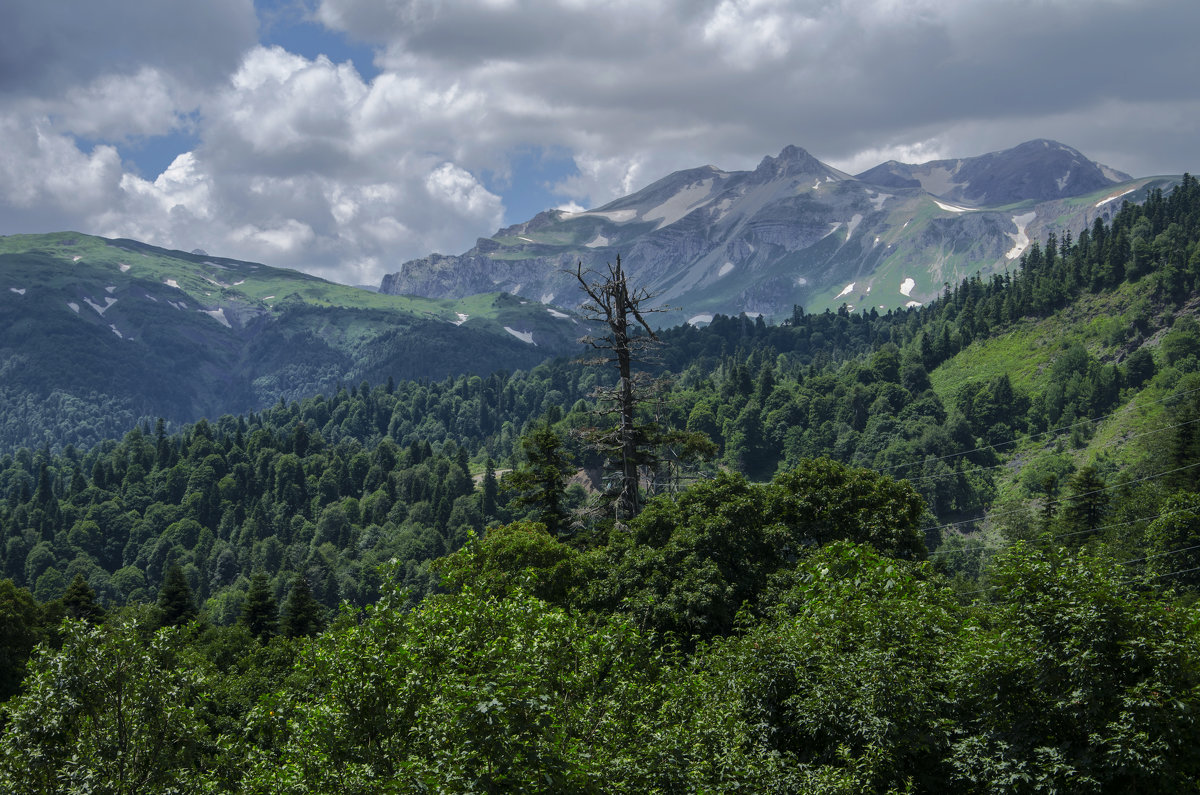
pixel 793 162
pixel 795 231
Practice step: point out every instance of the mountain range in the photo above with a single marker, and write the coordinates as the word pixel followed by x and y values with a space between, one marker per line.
pixel 97 333
pixel 795 231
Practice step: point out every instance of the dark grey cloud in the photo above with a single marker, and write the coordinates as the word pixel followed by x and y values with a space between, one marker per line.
pixel 303 162
pixel 50 47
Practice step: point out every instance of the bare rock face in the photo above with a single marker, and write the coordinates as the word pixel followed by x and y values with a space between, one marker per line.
pixel 793 231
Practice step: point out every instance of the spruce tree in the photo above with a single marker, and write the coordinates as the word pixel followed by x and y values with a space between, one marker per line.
pixel 302 614
pixel 490 490
pixel 260 613
pixel 175 604
pixel 79 601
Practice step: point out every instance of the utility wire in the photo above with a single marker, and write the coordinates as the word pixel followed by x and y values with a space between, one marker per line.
pixel 1129 407
pixel 1073 497
pixel 1006 463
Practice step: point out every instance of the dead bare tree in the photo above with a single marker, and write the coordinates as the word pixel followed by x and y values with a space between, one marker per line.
pixel 628 339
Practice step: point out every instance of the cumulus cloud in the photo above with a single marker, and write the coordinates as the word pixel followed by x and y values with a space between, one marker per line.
pixel 302 162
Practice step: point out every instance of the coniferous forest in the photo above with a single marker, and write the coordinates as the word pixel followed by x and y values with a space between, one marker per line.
pixel 954 548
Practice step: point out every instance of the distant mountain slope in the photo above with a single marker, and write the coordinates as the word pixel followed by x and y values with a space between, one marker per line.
pixel 96 333
pixel 796 231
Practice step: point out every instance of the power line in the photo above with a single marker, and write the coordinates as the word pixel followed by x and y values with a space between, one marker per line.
pixel 1129 407
pixel 1057 536
pixel 1073 497
pixel 954 473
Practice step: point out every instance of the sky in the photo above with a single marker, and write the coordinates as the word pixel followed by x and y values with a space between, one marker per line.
pixel 344 137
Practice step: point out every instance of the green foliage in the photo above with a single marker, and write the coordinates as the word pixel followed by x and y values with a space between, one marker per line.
pixel 116 710
pixel 519 556
pixel 843 682
pixel 689 562
pixel 303 616
pixel 463 694
pixel 260 613
pixel 540 484
pixel 1076 682
pixel 175 604
pixel 19 632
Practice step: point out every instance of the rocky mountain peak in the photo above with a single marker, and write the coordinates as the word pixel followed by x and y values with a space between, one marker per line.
pixel 791 162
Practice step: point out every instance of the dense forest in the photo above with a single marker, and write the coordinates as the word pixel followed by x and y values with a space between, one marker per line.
pixel 953 548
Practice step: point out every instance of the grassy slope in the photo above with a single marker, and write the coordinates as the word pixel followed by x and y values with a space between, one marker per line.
pixel 1126 436
pixel 158 349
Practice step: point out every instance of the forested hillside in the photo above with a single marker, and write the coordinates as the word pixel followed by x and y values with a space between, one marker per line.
pixel 946 549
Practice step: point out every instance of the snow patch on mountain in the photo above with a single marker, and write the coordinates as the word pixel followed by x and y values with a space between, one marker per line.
pixel 697 319
pixel 118 333
pixel 124 267
pixel 911 304
pixel 906 286
pixel 218 315
pixel 855 220
pixel 1114 197
pixel 557 314
pixel 616 216
pixel 110 289
pixel 462 318
pixel 546 298
pixel 952 208
pixel 100 310
pixel 526 239
pixel 726 268
pixel 1063 180
pixel 1020 239
pixel 17 290
pixel 878 199
pixel 523 336
pixel 171 283
pixel 597 241
pixel 680 204
pixel 845 290
pixel 73 306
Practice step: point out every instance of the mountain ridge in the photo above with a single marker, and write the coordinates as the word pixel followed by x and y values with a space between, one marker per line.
pixel 119 330
pixel 795 231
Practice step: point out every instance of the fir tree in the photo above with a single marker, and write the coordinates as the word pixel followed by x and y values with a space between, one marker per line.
pixel 490 489
pixel 175 604
pixel 79 601
pixel 302 614
pixel 260 613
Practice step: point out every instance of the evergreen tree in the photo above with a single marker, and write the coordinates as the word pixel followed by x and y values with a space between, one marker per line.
pixel 490 488
pixel 260 613
pixel 302 614
pixel 1088 501
pixel 175 604
pixel 542 483
pixel 79 601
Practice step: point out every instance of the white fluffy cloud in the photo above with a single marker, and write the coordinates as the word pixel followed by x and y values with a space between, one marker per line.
pixel 302 162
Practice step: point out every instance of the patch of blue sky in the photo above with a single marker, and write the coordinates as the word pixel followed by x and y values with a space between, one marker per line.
pixel 528 187
pixel 291 24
